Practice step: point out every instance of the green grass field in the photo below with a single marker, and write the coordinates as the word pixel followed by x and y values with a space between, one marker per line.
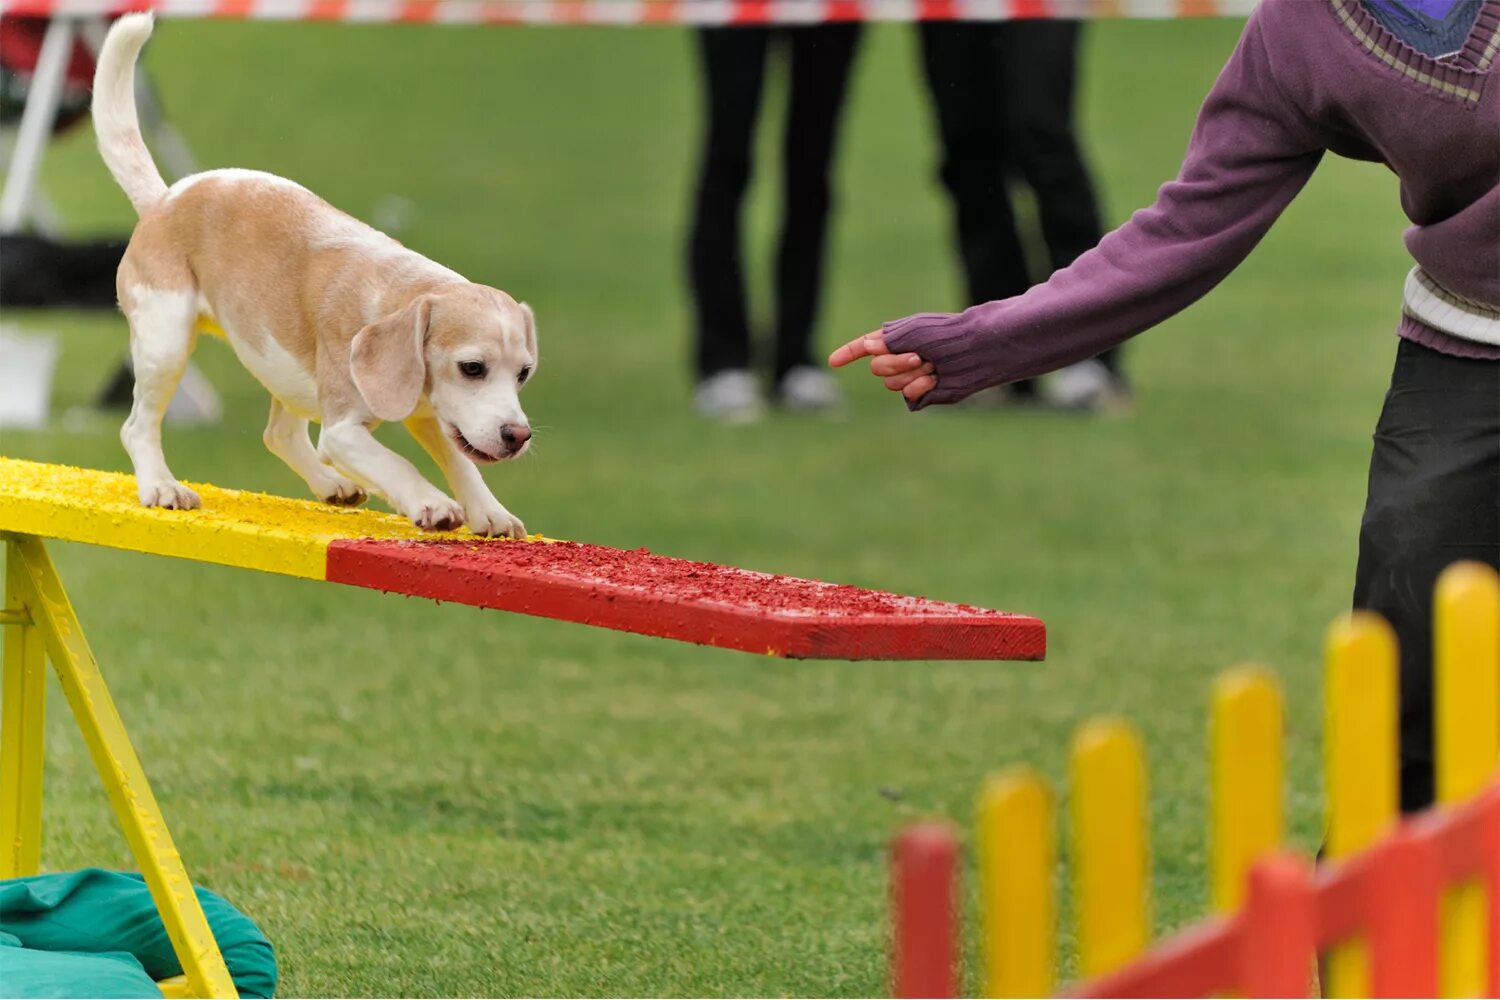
pixel 425 800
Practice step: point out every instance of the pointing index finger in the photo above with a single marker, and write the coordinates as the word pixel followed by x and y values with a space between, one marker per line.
pixel 859 347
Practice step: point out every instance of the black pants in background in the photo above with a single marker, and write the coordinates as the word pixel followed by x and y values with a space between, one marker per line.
pixel 734 69
pixel 1003 95
pixel 1434 499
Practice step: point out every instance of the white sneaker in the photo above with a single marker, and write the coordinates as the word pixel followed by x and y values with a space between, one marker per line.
pixel 1088 385
pixel 730 396
pixel 807 389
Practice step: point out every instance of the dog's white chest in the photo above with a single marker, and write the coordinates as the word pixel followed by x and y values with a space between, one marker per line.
pixel 283 375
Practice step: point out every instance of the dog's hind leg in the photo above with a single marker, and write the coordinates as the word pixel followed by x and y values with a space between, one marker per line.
pixel 161 340
pixel 286 437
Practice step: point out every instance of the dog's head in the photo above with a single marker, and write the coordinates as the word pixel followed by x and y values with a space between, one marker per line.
pixel 467 351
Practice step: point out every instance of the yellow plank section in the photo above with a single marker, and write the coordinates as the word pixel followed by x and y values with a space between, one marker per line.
pixel 1111 863
pixel 1359 760
pixel 234 528
pixel 1016 862
pixel 1466 639
pixel 1247 779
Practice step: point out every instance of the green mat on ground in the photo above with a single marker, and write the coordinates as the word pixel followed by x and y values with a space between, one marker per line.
pixel 96 933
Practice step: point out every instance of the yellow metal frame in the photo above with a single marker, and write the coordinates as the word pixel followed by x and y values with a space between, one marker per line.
pixel 39 624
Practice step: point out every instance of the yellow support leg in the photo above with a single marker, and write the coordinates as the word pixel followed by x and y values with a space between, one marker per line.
pixel 124 780
pixel 1359 761
pixel 23 694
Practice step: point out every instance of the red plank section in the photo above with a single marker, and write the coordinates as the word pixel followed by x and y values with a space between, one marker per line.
pixel 649 594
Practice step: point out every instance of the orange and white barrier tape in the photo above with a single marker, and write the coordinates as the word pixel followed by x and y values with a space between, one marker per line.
pixel 630 12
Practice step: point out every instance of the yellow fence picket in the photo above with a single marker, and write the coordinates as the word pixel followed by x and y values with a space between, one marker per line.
pixel 1466 641
pixel 1359 748
pixel 1017 857
pixel 1111 868
pixel 1247 767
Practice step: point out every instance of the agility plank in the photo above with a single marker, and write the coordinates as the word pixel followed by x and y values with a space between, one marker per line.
pixel 630 591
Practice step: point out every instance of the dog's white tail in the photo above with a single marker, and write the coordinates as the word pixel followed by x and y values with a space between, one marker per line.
pixel 115 121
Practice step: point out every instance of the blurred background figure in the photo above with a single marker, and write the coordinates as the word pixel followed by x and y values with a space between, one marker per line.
pixel 46 72
pixel 1003 96
pixel 733 60
pixel 41 268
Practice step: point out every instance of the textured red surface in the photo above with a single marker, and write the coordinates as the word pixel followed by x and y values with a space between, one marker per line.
pixel 637 591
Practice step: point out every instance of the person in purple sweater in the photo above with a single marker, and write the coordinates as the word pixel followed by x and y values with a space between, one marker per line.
pixel 1408 83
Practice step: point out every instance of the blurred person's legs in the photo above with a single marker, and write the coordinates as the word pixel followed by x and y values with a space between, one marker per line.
pixel 40 272
pixel 1434 499
pixel 821 58
pixel 733 62
pixel 961 61
pixel 1004 96
pixel 1039 74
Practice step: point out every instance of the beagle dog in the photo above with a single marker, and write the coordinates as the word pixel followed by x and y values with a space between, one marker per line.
pixel 340 323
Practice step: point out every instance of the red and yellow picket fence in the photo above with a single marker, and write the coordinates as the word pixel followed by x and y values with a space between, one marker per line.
pixel 1398 908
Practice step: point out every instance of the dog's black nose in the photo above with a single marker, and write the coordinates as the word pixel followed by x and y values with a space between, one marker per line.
pixel 515 435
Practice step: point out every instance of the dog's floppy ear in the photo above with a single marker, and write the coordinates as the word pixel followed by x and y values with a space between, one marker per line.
pixel 387 360
pixel 531 335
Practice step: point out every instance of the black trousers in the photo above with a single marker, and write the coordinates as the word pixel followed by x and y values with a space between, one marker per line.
pixel 734 69
pixel 1434 499
pixel 1003 95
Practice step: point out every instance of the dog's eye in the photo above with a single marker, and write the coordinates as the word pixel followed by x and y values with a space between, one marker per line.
pixel 523 375
pixel 472 369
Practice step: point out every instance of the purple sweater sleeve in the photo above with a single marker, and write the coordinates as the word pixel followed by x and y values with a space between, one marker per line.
pixel 1250 153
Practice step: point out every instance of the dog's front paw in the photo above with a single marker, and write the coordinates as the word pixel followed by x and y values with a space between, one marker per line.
pixel 435 513
pixel 167 493
pixel 342 492
pixel 494 521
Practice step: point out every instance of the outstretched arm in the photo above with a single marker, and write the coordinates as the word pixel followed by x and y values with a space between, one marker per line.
pixel 1251 151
